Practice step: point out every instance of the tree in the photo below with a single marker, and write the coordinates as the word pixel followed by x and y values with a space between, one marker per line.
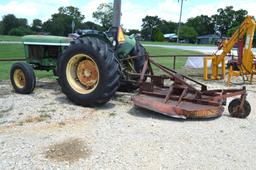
pixel 228 18
pixel 188 33
pixel 231 31
pixel 20 31
pixel 74 13
pixel 104 15
pixel 202 24
pixel 23 22
pixel 168 27
pixel 60 23
pixel 37 25
pixel 9 22
pixel 133 31
pixel 1 27
pixel 159 36
pixel 149 26
pixel 91 25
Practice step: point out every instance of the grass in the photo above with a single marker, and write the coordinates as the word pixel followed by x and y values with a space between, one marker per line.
pixel 10 38
pixel 17 51
pixel 174 43
pixel 168 61
pixel 5 68
pixel 11 51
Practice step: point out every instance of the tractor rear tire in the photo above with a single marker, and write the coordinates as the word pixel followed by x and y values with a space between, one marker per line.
pixel 139 51
pixel 89 72
pixel 138 64
pixel 23 78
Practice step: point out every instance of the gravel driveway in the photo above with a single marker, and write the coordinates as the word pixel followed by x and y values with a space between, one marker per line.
pixel 46 131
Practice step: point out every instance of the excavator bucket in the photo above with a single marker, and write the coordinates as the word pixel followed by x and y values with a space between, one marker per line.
pixel 179 96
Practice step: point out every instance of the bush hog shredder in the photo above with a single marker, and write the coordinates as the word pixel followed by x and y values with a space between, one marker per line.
pixel 185 97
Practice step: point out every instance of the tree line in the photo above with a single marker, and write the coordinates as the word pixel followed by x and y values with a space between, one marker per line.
pixel 59 24
pixel 224 23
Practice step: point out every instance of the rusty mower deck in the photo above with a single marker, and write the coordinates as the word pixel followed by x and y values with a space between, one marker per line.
pixel 179 96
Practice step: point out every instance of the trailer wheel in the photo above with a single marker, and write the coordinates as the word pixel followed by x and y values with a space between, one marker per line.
pixel 138 64
pixel 234 110
pixel 88 72
pixel 23 78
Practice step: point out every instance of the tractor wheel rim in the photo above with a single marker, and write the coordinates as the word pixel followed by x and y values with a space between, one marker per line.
pixel 19 78
pixel 82 73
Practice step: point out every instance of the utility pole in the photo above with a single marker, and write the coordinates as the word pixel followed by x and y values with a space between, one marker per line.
pixel 181 7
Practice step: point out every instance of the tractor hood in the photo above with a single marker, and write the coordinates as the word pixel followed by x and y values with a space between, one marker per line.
pixel 46 40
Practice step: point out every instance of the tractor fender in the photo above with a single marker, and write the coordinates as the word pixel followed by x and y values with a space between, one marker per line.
pixel 126 48
pixel 98 35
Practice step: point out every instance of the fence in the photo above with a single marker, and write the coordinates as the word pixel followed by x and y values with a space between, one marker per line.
pixel 11 51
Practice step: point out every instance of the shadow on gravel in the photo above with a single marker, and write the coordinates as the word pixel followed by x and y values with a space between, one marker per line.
pixel 53 85
pixel 140 112
pixel 63 99
pixel 105 106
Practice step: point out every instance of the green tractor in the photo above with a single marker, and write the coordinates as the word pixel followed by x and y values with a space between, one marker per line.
pixel 90 68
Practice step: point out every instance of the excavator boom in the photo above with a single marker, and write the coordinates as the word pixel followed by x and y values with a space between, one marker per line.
pixel 246 58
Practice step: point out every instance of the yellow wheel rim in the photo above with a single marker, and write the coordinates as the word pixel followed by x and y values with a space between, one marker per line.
pixel 19 78
pixel 82 74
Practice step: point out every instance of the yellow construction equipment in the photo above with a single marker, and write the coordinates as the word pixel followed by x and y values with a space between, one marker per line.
pixel 245 61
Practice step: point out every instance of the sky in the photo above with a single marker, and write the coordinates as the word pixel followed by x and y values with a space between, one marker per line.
pixel 132 10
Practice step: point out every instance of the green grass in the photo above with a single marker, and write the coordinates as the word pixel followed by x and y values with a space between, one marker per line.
pixel 5 68
pixel 10 38
pixel 17 51
pixel 11 51
pixel 168 61
pixel 174 43
pixel 154 51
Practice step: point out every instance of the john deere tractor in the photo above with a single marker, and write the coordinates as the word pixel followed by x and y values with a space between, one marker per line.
pixel 90 68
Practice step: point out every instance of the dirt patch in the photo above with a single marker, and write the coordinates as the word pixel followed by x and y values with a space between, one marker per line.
pixel 31 119
pixel 70 151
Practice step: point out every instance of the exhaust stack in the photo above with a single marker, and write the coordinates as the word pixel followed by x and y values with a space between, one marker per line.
pixel 117 13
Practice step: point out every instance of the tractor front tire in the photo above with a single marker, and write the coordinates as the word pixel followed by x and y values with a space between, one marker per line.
pixel 23 78
pixel 88 71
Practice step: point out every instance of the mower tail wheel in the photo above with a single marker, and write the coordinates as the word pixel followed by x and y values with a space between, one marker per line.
pixel 23 78
pixel 235 111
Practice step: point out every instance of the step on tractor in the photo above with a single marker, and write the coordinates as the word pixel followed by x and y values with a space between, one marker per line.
pixel 90 68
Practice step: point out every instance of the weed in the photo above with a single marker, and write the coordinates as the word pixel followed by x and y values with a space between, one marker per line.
pixel 112 114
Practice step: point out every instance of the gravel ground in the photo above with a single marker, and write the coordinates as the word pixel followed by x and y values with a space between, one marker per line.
pixel 46 131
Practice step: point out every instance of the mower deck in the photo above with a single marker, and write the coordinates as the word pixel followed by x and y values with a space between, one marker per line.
pixel 172 108
pixel 179 96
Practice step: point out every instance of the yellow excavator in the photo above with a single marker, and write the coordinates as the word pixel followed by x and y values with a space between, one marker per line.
pixel 244 64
